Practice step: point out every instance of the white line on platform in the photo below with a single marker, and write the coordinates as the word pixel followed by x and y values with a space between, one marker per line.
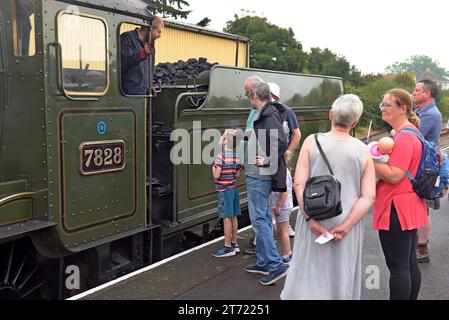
pixel 152 266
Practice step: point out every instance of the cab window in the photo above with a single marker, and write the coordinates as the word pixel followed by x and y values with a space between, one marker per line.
pixel 84 47
pixel 24 22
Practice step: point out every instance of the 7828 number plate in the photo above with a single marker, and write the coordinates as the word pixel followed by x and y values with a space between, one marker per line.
pixel 102 156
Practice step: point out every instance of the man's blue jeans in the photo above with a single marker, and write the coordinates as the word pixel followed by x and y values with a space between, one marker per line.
pixel 260 214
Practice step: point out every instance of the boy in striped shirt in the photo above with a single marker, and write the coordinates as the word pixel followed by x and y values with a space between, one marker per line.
pixel 226 170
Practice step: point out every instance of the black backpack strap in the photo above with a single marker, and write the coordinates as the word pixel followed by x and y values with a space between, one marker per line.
pixel 323 155
pixel 284 114
pixel 280 115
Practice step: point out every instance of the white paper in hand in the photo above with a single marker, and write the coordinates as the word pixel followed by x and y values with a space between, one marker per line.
pixel 322 240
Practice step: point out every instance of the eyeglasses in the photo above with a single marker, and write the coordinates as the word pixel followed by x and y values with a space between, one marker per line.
pixel 383 106
pixel 420 90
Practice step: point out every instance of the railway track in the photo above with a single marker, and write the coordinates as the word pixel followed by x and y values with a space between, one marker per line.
pixel 444 140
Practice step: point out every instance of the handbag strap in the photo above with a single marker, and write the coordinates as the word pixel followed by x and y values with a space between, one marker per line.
pixel 323 155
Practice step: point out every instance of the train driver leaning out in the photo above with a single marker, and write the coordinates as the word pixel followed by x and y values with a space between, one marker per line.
pixel 136 46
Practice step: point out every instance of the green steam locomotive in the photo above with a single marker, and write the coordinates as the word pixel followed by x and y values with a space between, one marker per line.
pixel 86 180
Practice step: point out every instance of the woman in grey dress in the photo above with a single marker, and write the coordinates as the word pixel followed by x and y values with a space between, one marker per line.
pixel 333 270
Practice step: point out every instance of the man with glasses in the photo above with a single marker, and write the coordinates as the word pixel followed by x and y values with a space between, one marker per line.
pixel 249 168
pixel 424 96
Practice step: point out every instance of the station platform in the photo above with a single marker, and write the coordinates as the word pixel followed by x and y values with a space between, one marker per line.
pixel 193 275
pixel 197 275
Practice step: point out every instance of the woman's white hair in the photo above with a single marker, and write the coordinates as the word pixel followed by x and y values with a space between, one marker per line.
pixel 346 110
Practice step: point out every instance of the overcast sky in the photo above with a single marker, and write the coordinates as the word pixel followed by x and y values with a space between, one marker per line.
pixel 370 34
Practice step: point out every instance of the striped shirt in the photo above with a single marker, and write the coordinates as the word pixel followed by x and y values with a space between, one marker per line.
pixel 230 165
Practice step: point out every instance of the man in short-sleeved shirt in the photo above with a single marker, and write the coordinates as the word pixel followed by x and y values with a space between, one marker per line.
pixel 424 96
pixel 291 126
pixel 428 113
pixel 292 123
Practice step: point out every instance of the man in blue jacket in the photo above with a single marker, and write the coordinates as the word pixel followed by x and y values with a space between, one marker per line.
pixel 136 46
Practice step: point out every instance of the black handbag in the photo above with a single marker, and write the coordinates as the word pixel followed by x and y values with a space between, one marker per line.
pixel 321 195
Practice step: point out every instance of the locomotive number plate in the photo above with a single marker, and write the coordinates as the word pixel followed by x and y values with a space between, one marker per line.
pixel 101 157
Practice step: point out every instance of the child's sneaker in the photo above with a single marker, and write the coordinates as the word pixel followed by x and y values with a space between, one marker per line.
pixel 236 247
pixel 224 252
pixel 286 260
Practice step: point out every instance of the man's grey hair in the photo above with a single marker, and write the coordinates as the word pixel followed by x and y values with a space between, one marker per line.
pixel 346 110
pixel 253 80
pixel 261 90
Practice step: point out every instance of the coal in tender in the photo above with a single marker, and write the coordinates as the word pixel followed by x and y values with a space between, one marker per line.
pixel 170 72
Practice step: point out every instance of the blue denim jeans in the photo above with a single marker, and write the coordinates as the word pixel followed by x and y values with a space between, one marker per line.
pixel 260 214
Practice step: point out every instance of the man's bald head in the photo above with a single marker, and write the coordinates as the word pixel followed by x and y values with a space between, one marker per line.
pixel 249 83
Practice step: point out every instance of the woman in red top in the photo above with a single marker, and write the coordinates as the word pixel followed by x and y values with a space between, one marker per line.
pixel 398 210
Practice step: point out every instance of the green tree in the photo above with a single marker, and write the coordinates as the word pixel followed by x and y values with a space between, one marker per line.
pixel 170 8
pixel 443 104
pixel 371 95
pixel 405 80
pixel 272 47
pixel 371 77
pixel 417 64
pixel 325 62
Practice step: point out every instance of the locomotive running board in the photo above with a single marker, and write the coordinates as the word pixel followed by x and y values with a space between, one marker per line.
pixel 20 229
